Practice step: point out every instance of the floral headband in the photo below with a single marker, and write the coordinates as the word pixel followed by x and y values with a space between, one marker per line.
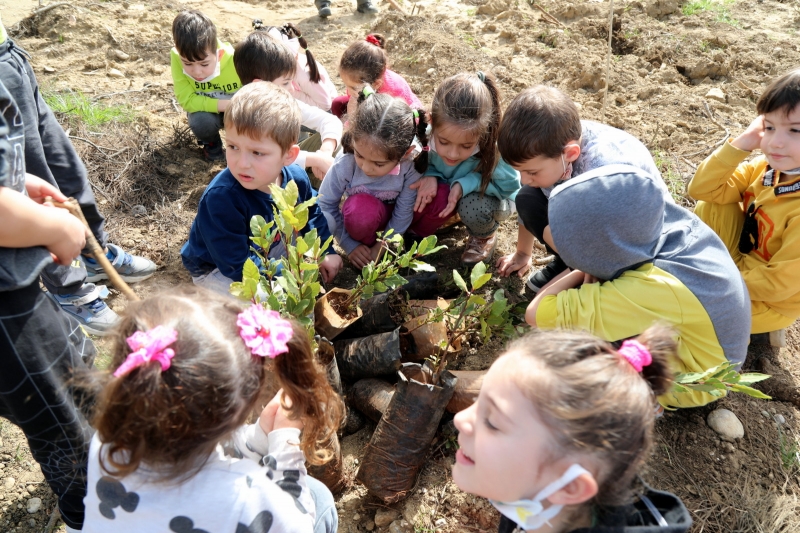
pixel 264 332
pixel 636 354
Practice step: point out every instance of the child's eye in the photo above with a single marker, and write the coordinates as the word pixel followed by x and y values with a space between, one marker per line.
pixel 232 147
pixel 794 130
pixel 489 424
pixel 258 153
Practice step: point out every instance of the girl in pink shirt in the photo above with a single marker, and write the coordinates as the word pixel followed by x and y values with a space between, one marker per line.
pixel 364 62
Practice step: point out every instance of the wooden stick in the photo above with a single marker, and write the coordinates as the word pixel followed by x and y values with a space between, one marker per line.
pixel 45 9
pixel 395 5
pixel 608 56
pixel 547 15
pixel 544 260
pixel 72 206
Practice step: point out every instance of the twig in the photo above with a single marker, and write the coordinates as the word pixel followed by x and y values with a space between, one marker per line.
pixel 101 96
pixel 720 142
pixel 608 56
pixel 101 148
pixel 547 15
pixel 544 260
pixel 51 523
pixel 111 34
pixel 395 5
pixel 175 106
pixel 72 206
pixel 691 165
pixel 45 9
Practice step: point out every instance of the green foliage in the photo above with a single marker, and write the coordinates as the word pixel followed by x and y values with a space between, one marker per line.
pixel 293 292
pixel 719 380
pixel 673 179
pixel 79 107
pixel 789 451
pixel 718 7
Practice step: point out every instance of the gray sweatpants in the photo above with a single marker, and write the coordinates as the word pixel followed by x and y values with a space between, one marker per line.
pixel 482 215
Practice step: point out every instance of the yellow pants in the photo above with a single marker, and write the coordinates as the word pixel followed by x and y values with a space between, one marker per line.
pixel 727 221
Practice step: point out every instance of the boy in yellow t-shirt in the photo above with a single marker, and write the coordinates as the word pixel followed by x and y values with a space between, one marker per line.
pixel 204 78
pixel 754 206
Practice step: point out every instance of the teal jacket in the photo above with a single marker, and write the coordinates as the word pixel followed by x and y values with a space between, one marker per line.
pixel 504 184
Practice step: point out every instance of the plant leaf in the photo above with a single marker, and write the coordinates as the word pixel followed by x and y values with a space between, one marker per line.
pixel 459 281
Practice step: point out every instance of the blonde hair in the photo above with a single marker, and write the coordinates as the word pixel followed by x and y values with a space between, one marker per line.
pixel 263 109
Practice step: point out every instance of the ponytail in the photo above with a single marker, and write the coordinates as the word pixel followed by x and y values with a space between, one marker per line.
pixel 660 342
pixel 488 142
pixel 291 31
pixel 313 399
pixel 421 131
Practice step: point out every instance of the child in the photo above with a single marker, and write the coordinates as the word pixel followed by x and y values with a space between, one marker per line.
pixel 49 154
pixel 261 128
pixel 544 138
pixel 755 206
pixel 464 167
pixel 364 63
pixel 311 84
pixel 561 428
pixel 204 78
pixel 187 370
pixel 259 57
pixel 374 174
pixel 655 262
pixel 40 345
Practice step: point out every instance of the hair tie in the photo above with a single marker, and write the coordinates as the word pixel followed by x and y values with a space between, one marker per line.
pixel 481 76
pixel 367 91
pixel 416 117
pixel 426 148
pixel 263 331
pixel 636 354
pixel 371 39
pixel 149 346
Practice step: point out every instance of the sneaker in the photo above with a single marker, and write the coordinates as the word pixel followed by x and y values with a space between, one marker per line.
pixel 478 249
pixel 131 268
pixel 775 338
pixel 366 6
pixel 90 310
pixel 213 151
pixel 324 9
pixel 542 277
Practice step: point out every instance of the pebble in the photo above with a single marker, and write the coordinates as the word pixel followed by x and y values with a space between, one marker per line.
pixel 114 73
pixel 9 482
pixel 369 525
pixel 765 414
pixel 32 522
pixel 122 56
pixel 384 517
pixel 725 423
pixel 49 70
pixel 440 522
pixel 34 504
pixel 779 419
pixel 138 210
pixel 430 71
pixel 400 526
pixel 356 517
pixel 715 93
pixel 30 488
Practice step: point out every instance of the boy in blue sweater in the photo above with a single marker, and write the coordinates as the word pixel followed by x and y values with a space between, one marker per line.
pixel 262 125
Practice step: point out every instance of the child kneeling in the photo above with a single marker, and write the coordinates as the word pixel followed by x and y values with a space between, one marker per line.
pixel 262 125
pixel 754 206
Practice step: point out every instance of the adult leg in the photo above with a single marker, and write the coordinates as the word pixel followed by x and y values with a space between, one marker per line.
pixel 364 216
pixel 427 221
pixel 40 347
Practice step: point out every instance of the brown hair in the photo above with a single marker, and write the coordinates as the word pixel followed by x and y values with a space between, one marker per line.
pixel 541 120
pixel 594 401
pixel 366 59
pixel 261 56
pixel 389 124
pixel 291 31
pixel 782 93
pixel 173 420
pixel 472 102
pixel 262 110
pixel 194 34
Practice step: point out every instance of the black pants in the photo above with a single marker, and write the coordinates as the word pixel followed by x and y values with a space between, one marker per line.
pixel 40 346
pixel 49 154
pixel 532 210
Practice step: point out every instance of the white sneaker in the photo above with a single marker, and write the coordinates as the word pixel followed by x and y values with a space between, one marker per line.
pixel 90 310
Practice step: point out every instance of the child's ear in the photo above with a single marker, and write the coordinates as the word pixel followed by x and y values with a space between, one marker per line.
pixel 572 151
pixel 581 489
pixel 290 155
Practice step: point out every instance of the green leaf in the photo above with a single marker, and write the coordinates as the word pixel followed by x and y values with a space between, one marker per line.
pixel 755 393
pixel 752 377
pixel 380 287
pixel 459 281
pixel 476 300
pixel 309 266
pixel 420 266
pixel 689 377
pixel 250 270
pixel 477 271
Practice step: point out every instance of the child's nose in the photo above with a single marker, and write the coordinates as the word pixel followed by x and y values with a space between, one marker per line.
pixel 464 419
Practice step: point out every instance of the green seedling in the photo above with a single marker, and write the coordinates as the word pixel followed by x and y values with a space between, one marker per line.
pixel 720 380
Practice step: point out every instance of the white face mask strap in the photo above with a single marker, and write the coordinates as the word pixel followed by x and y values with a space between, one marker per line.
pixel 570 475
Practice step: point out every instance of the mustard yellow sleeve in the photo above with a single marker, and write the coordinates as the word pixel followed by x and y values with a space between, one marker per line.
pixel 547 312
pixel 777 280
pixel 183 87
pixel 723 177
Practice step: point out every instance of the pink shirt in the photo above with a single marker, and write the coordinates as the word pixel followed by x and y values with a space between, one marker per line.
pixel 394 84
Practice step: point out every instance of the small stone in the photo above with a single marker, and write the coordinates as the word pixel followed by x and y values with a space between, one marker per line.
pixel 440 522
pixel 32 522
pixel 369 525
pixel 715 93
pixel 138 210
pixel 122 56
pixel 725 423
pixel 30 488
pixel 114 73
pixel 356 517
pixel 49 70
pixel 34 504
pixel 765 414
pixel 779 419
pixel 431 71
pixel 9 482
pixel 400 526
pixel 384 517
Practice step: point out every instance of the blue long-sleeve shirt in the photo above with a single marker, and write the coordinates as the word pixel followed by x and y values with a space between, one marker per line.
pixel 220 234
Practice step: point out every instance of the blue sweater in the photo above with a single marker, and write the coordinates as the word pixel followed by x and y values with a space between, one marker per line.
pixel 220 234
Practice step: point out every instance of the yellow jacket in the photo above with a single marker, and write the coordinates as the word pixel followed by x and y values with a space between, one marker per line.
pixel 772 269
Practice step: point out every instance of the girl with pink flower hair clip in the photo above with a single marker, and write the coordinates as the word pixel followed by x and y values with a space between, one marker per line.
pixel 172 451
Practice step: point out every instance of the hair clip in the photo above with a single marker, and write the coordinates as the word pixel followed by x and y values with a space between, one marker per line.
pixel 481 76
pixel 263 331
pixel 371 39
pixel 636 354
pixel 367 91
pixel 149 346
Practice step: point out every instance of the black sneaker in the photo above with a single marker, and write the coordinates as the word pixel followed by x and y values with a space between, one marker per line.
pixel 213 151
pixel 324 8
pixel 542 277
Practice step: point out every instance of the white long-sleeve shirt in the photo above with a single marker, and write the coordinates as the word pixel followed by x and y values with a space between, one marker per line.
pixel 328 126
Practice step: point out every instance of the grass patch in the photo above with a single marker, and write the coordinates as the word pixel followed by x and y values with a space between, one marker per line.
pixel 719 7
pixel 672 177
pixel 75 105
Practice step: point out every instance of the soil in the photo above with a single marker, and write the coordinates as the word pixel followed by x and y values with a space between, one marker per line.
pixel 148 175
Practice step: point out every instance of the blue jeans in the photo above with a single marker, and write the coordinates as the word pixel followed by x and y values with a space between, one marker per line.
pixel 327 518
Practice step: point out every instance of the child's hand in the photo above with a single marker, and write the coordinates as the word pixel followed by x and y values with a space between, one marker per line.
pixel 38 190
pixel 274 416
pixel 329 267
pixel 319 162
pixel 750 139
pixel 68 238
pixel 426 187
pixel 361 256
pixel 518 262
pixel 452 200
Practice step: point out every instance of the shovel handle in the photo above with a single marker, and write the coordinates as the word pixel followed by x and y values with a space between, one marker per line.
pixel 94 248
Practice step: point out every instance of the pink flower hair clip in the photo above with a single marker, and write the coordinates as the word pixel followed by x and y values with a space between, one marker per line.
pixel 264 332
pixel 636 354
pixel 147 346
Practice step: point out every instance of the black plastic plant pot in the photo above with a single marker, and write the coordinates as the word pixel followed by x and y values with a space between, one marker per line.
pixel 376 318
pixel 400 444
pixel 331 473
pixel 369 357
pixel 422 286
pixel 372 397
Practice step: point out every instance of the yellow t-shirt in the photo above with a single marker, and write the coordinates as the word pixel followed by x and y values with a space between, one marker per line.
pixel 3 34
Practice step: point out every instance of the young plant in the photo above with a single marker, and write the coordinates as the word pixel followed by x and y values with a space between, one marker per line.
pixel 289 285
pixel 789 451
pixel 719 380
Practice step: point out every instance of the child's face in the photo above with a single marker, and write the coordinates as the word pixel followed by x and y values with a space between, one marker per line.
pixel 371 160
pixel 256 164
pixel 454 144
pixel 504 448
pixel 541 171
pixel 781 141
pixel 353 84
pixel 200 70
pixel 284 81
